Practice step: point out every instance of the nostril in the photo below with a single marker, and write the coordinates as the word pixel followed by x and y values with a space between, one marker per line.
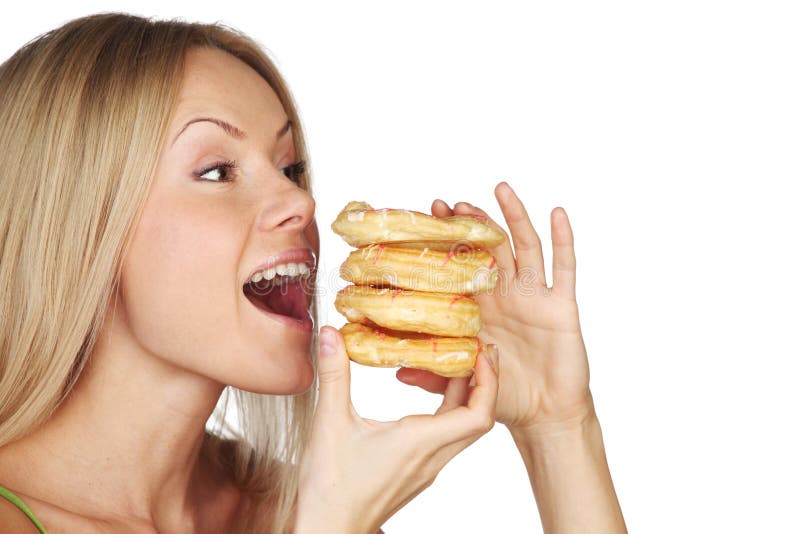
pixel 292 220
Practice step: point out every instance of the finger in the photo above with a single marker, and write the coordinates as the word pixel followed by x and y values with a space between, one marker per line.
pixel 424 379
pixel 447 445
pixel 527 245
pixel 503 252
pixel 333 371
pixel 439 208
pixel 563 254
pixel 455 394
pixel 446 453
pixel 477 417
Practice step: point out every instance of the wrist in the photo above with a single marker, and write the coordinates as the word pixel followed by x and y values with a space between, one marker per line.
pixel 577 423
pixel 576 439
pixel 559 438
pixel 568 470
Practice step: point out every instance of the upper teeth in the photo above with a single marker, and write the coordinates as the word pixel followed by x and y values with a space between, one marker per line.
pixel 292 270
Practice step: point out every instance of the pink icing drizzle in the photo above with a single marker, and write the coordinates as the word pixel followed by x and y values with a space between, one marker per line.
pixel 454 299
pixel 378 255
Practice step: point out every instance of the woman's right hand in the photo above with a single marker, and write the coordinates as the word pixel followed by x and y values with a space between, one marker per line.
pixel 356 472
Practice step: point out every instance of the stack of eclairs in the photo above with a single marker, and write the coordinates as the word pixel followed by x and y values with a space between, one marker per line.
pixel 413 278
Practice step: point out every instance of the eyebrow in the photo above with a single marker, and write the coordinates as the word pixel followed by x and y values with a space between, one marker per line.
pixel 229 128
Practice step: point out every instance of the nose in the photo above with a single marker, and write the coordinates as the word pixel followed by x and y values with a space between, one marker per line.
pixel 290 210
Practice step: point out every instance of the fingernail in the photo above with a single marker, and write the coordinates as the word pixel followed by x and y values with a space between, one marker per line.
pixel 327 343
pixel 492 356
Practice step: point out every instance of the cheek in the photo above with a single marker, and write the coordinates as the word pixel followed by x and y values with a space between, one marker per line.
pixel 178 281
pixel 184 304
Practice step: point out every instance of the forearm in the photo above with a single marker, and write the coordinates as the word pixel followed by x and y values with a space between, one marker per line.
pixel 570 478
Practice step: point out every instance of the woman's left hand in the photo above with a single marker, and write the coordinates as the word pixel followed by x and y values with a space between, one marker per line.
pixel 544 370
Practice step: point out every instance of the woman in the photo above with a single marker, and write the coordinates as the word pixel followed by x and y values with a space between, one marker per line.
pixel 150 168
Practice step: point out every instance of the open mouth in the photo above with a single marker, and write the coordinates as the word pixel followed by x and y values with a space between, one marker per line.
pixel 282 295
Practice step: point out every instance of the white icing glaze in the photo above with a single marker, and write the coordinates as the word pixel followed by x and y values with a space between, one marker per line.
pixel 355 216
pixel 456 356
pixel 367 253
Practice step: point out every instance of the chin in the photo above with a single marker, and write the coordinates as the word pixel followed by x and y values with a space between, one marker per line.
pixel 295 378
pixel 301 383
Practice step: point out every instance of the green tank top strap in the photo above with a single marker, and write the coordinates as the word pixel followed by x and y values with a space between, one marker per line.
pixel 7 494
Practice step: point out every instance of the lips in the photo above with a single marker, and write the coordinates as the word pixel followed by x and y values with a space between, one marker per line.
pixel 283 286
pixel 293 255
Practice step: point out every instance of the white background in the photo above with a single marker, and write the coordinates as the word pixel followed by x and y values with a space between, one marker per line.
pixel 669 131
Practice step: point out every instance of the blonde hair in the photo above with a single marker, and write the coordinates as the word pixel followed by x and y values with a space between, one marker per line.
pixel 85 113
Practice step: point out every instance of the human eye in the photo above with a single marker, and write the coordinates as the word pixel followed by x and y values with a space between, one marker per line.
pixel 221 171
pixel 294 171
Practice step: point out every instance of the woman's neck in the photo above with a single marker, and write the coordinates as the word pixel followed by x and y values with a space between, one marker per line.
pixel 126 442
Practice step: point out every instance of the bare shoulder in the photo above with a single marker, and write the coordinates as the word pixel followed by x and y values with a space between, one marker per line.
pixel 14 520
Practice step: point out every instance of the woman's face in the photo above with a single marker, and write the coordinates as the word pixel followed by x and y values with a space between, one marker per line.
pixel 184 288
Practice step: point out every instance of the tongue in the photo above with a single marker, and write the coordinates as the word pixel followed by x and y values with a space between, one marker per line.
pixel 288 299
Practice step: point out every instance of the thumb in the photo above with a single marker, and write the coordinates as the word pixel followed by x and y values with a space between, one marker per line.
pixel 333 371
